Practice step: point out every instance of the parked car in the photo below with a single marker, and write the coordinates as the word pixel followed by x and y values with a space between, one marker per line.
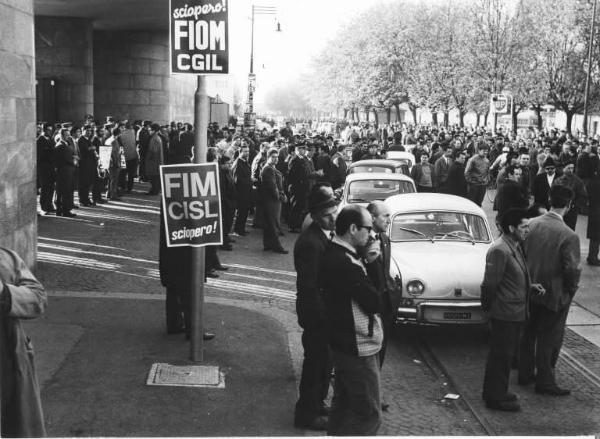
pixel 362 188
pixel 439 244
pixel 406 158
pixel 385 166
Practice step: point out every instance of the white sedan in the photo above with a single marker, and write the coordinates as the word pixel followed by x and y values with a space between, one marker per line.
pixel 439 244
pixel 364 187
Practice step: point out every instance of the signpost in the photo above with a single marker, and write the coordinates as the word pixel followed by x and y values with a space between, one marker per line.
pixel 199 45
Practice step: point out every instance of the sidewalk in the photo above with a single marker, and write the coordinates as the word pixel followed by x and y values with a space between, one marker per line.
pixel 93 356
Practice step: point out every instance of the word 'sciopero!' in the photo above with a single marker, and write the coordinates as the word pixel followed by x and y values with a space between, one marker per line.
pixel 196 11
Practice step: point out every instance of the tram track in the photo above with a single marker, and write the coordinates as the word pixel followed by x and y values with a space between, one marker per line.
pixel 437 368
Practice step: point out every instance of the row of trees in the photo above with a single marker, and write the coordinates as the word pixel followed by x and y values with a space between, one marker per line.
pixel 455 54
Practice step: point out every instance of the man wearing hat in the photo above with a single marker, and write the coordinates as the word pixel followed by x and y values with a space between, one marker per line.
pixel 311 411
pixel 272 195
pixel 543 182
pixel 143 141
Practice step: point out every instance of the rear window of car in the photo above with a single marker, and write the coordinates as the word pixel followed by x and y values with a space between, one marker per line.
pixel 384 169
pixel 365 191
pixel 427 226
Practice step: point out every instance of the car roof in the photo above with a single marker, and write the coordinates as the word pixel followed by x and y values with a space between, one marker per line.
pixel 376 162
pixel 377 176
pixel 432 202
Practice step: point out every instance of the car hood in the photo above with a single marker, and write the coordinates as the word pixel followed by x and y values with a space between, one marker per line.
pixel 442 266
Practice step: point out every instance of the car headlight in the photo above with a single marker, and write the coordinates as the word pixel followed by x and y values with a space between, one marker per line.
pixel 415 287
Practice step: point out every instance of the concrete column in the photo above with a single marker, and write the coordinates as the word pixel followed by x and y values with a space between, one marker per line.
pixel 131 75
pixel 64 53
pixel 18 227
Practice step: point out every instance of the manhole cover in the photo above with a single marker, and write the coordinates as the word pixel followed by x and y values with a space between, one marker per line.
pixel 162 374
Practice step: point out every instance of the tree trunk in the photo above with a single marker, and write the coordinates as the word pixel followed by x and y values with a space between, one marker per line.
pixel 413 111
pixel 514 121
pixel 397 107
pixel 538 113
pixel 461 118
pixel 345 113
pixel 376 116
pixel 495 123
pixel 367 111
pixel 446 118
pixel 434 117
pixel 388 113
pixel 569 114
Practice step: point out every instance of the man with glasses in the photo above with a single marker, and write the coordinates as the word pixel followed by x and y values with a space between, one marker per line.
pixel 353 307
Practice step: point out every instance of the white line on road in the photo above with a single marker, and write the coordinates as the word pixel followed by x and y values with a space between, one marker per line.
pixel 80 243
pixel 264 270
pixel 88 252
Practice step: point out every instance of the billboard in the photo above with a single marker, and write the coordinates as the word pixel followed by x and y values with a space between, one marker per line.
pixel 199 37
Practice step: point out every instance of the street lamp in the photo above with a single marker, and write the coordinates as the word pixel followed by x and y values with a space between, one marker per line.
pixel 249 115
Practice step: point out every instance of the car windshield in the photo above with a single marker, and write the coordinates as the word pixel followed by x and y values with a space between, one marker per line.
pixel 433 226
pixel 365 191
pixel 365 168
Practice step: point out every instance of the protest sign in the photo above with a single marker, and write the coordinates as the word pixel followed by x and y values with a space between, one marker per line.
pixel 104 153
pixel 191 204
pixel 199 36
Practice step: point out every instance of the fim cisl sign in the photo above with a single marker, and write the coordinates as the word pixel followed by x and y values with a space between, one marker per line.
pixel 191 204
pixel 199 37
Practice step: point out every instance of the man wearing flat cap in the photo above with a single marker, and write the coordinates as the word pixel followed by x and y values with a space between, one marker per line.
pixel 311 411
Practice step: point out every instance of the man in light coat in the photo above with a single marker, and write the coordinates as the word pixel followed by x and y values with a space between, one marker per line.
pixel 553 258
pixel 21 297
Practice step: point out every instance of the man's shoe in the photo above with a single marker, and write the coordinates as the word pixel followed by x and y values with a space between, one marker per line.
pixel 592 262
pixel 281 251
pixel 231 240
pixel 208 336
pixel 221 268
pixel 552 391
pixel 318 424
pixel 505 406
pixel 101 201
pixel 86 203
pixel 51 210
pixel 69 214
pixel 212 274
pixel 266 249
pixel 511 396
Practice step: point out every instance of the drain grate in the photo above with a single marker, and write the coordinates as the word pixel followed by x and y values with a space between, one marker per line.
pixel 163 374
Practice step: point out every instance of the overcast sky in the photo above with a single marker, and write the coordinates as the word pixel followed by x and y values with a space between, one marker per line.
pixel 279 57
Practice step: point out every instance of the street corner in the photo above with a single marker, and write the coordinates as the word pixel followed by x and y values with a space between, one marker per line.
pixel 99 388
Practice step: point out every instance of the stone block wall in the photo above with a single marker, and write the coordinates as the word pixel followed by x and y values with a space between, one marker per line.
pixel 131 75
pixel 18 218
pixel 64 50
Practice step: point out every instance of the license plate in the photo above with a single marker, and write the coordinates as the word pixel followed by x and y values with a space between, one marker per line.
pixel 457 316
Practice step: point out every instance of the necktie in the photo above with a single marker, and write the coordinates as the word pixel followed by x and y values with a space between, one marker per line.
pixel 331 235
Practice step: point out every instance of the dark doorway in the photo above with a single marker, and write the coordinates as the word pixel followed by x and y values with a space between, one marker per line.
pixel 45 92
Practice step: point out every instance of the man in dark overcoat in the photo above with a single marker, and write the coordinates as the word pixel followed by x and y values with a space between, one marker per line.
pixel 301 177
pixel 242 179
pixel 272 195
pixel 316 369
pixel 593 226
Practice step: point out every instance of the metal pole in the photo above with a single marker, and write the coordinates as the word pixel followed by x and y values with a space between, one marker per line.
pixel 252 44
pixel 201 110
pixel 589 70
